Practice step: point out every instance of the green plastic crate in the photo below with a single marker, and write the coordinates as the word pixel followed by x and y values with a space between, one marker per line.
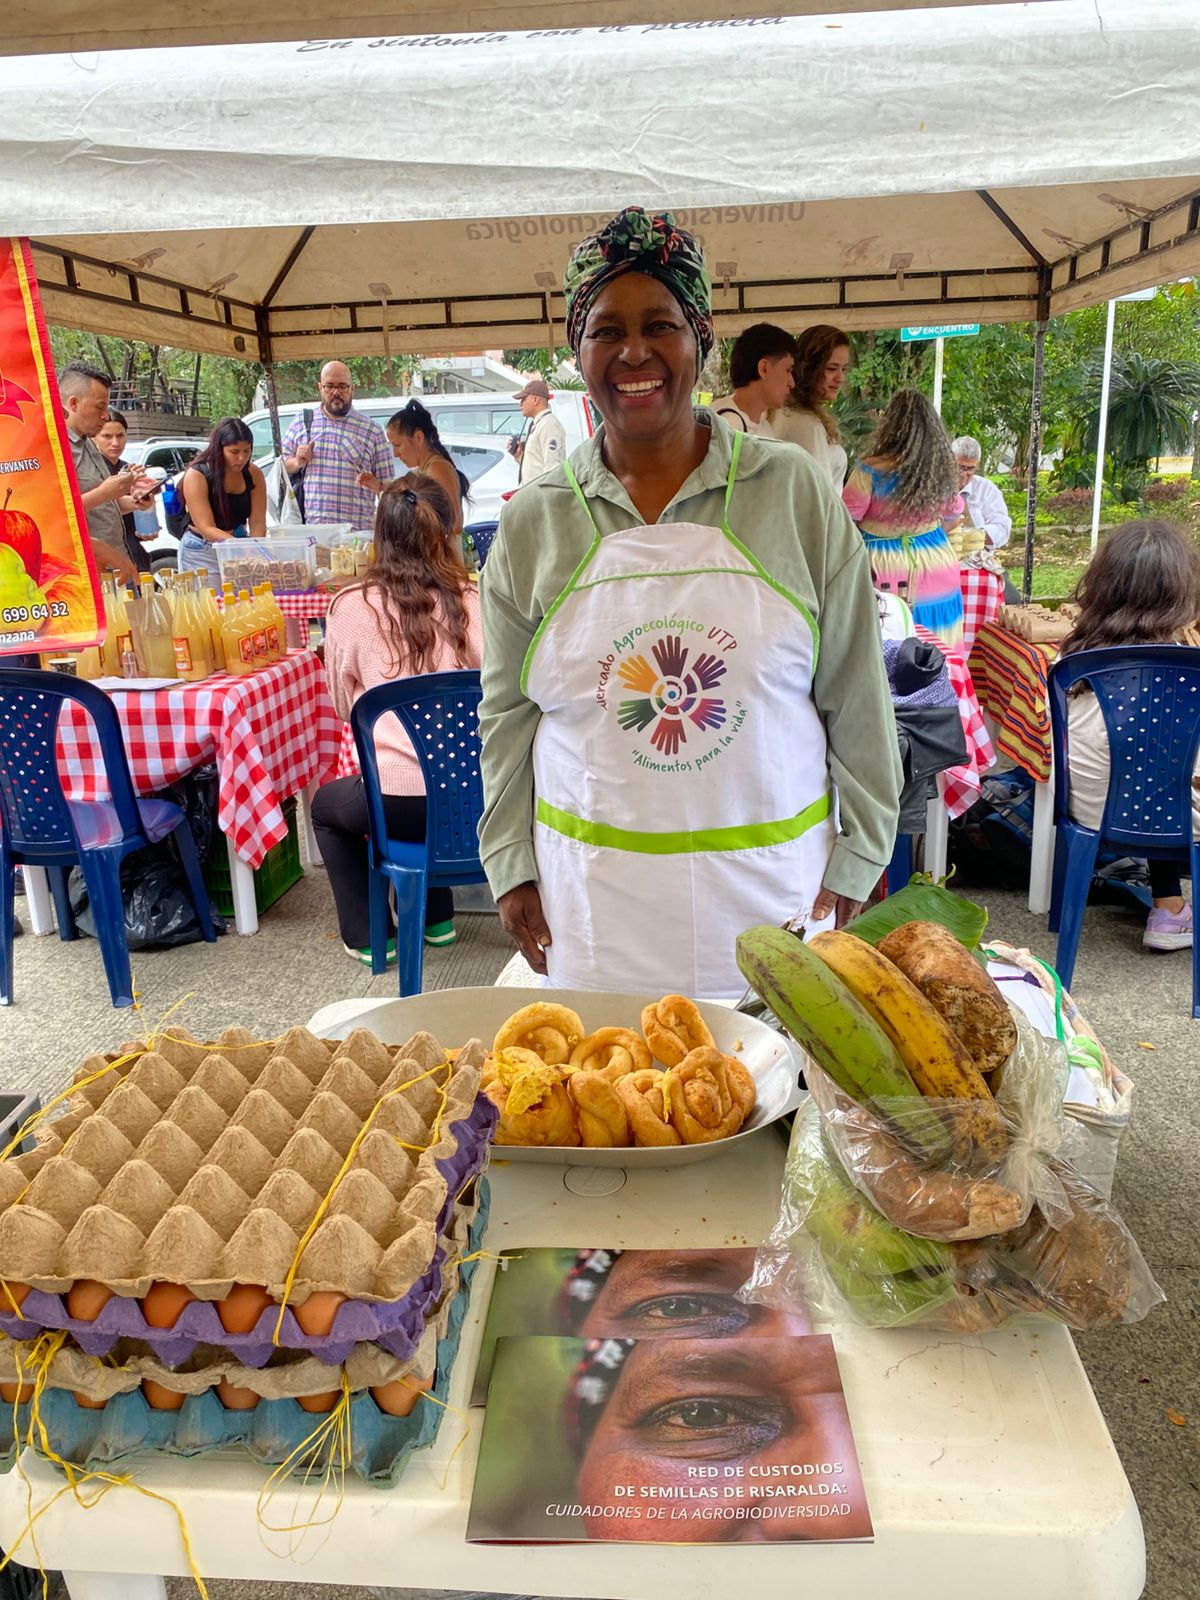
pixel 279 870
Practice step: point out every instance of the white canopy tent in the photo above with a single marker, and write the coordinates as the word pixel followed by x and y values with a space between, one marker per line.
pixel 32 29
pixel 989 162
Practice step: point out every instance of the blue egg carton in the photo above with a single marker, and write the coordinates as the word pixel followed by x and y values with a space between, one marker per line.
pixel 380 1445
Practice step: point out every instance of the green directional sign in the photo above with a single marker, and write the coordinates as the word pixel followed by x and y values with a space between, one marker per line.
pixel 948 330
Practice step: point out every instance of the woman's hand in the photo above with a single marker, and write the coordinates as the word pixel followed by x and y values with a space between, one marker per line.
pixel 841 906
pixel 368 480
pixel 521 917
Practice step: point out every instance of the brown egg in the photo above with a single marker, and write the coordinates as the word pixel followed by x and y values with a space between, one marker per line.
pixel 399 1397
pixel 163 1302
pixel 242 1306
pixel 319 1402
pixel 19 1392
pixel 86 1299
pixel 316 1315
pixel 11 1294
pixel 159 1398
pixel 235 1399
pixel 88 1405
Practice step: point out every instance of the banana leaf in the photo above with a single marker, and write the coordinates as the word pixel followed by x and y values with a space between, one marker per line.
pixel 922 901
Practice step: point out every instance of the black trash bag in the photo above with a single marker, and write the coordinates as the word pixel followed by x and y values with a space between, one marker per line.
pixel 158 903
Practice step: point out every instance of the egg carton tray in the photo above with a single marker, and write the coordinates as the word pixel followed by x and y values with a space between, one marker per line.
pixel 290 1373
pixel 379 1445
pixel 176 1166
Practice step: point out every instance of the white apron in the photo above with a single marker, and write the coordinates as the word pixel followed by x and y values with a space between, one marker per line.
pixel 680 773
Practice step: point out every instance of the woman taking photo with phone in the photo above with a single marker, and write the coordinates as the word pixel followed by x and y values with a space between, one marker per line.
pixel 413 436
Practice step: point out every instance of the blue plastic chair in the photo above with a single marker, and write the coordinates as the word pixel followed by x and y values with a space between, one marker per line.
pixel 40 827
pixel 440 714
pixel 482 534
pixel 1149 698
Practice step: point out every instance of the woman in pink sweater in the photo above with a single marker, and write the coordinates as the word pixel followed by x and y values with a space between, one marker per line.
pixel 415 612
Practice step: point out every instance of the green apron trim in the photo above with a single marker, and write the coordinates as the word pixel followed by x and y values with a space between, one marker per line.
pixel 573 582
pixel 750 836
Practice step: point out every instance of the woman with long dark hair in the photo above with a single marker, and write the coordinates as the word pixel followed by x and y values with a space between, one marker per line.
pixel 805 418
pixel 225 495
pixel 1141 587
pixel 902 494
pixel 415 612
pixel 415 441
pixel 110 442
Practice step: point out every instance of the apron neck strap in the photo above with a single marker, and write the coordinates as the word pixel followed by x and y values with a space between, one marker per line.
pixel 734 457
pixel 580 496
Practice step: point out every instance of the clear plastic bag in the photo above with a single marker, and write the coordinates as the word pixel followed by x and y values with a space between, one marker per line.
pixel 833 1254
pixel 979 1186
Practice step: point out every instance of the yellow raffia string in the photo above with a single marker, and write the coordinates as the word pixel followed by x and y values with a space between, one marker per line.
pixel 290 1280
pixel 332 1431
pixel 44 1349
pixel 456 1411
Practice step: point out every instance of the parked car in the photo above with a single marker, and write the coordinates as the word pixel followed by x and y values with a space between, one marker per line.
pixel 173 453
pixel 498 415
pixel 492 473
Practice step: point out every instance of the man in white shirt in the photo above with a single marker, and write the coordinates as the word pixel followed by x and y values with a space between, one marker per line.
pixel 545 445
pixel 760 369
pixel 985 508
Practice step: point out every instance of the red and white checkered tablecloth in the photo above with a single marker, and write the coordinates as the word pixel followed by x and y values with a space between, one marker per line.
pixel 983 595
pixel 960 785
pixel 271 734
pixel 302 604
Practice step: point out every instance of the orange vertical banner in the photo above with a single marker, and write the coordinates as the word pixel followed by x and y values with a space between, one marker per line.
pixel 49 592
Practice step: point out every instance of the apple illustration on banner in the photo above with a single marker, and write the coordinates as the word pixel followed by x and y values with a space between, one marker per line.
pixel 20 531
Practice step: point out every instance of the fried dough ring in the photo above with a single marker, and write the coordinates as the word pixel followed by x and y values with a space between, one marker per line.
pixel 702 1107
pixel 741 1085
pixel 550 1121
pixel 612 1052
pixel 550 1031
pixel 673 1027
pixel 603 1122
pixel 641 1093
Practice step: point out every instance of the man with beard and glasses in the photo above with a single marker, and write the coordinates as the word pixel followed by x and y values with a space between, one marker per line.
pixel 331 447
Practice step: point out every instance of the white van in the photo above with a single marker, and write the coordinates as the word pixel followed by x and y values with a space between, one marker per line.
pixel 495 416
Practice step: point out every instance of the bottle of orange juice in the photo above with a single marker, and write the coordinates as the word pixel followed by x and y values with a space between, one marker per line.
pixel 193 646
pixel 237 645
pixel 255 625
pixel 278 629
pixel 157 646
pixel 119 637
pixel 210 614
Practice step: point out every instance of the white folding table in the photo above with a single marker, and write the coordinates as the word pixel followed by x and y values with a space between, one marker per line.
pixel 987 1463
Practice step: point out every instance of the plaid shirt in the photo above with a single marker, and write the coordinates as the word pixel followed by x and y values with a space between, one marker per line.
pixel 342 448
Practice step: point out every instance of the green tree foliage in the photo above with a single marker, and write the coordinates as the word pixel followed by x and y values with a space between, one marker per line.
pixel 1151 404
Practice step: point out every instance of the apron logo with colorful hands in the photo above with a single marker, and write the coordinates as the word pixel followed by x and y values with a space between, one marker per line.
pixel 673 696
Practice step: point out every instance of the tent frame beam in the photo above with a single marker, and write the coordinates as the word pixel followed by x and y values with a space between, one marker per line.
pixel 999 212
pixel 1142 229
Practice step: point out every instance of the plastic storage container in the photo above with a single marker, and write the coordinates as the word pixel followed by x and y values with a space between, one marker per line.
pixel 285 561
pixel 279 870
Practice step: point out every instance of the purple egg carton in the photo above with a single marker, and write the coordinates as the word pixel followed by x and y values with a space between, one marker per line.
pixel 395 1325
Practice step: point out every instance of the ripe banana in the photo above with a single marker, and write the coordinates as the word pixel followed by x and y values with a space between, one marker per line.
pixel 825 1019
pixel 938 1061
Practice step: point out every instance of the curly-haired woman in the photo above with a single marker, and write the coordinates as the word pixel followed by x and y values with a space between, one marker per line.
pixel 822 362
pixel 902 494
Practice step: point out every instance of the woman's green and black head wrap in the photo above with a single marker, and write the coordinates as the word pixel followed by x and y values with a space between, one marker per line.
pixel 639 241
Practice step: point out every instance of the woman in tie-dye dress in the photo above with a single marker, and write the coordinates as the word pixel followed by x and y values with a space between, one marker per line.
pixel 903 494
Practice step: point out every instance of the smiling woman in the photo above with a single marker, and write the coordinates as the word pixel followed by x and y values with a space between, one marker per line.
pixel 662 736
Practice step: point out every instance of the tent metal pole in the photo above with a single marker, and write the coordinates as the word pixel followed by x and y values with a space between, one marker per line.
pixel 939 373
pixel 273 405
pixel 1035 450
pixel 1102 435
